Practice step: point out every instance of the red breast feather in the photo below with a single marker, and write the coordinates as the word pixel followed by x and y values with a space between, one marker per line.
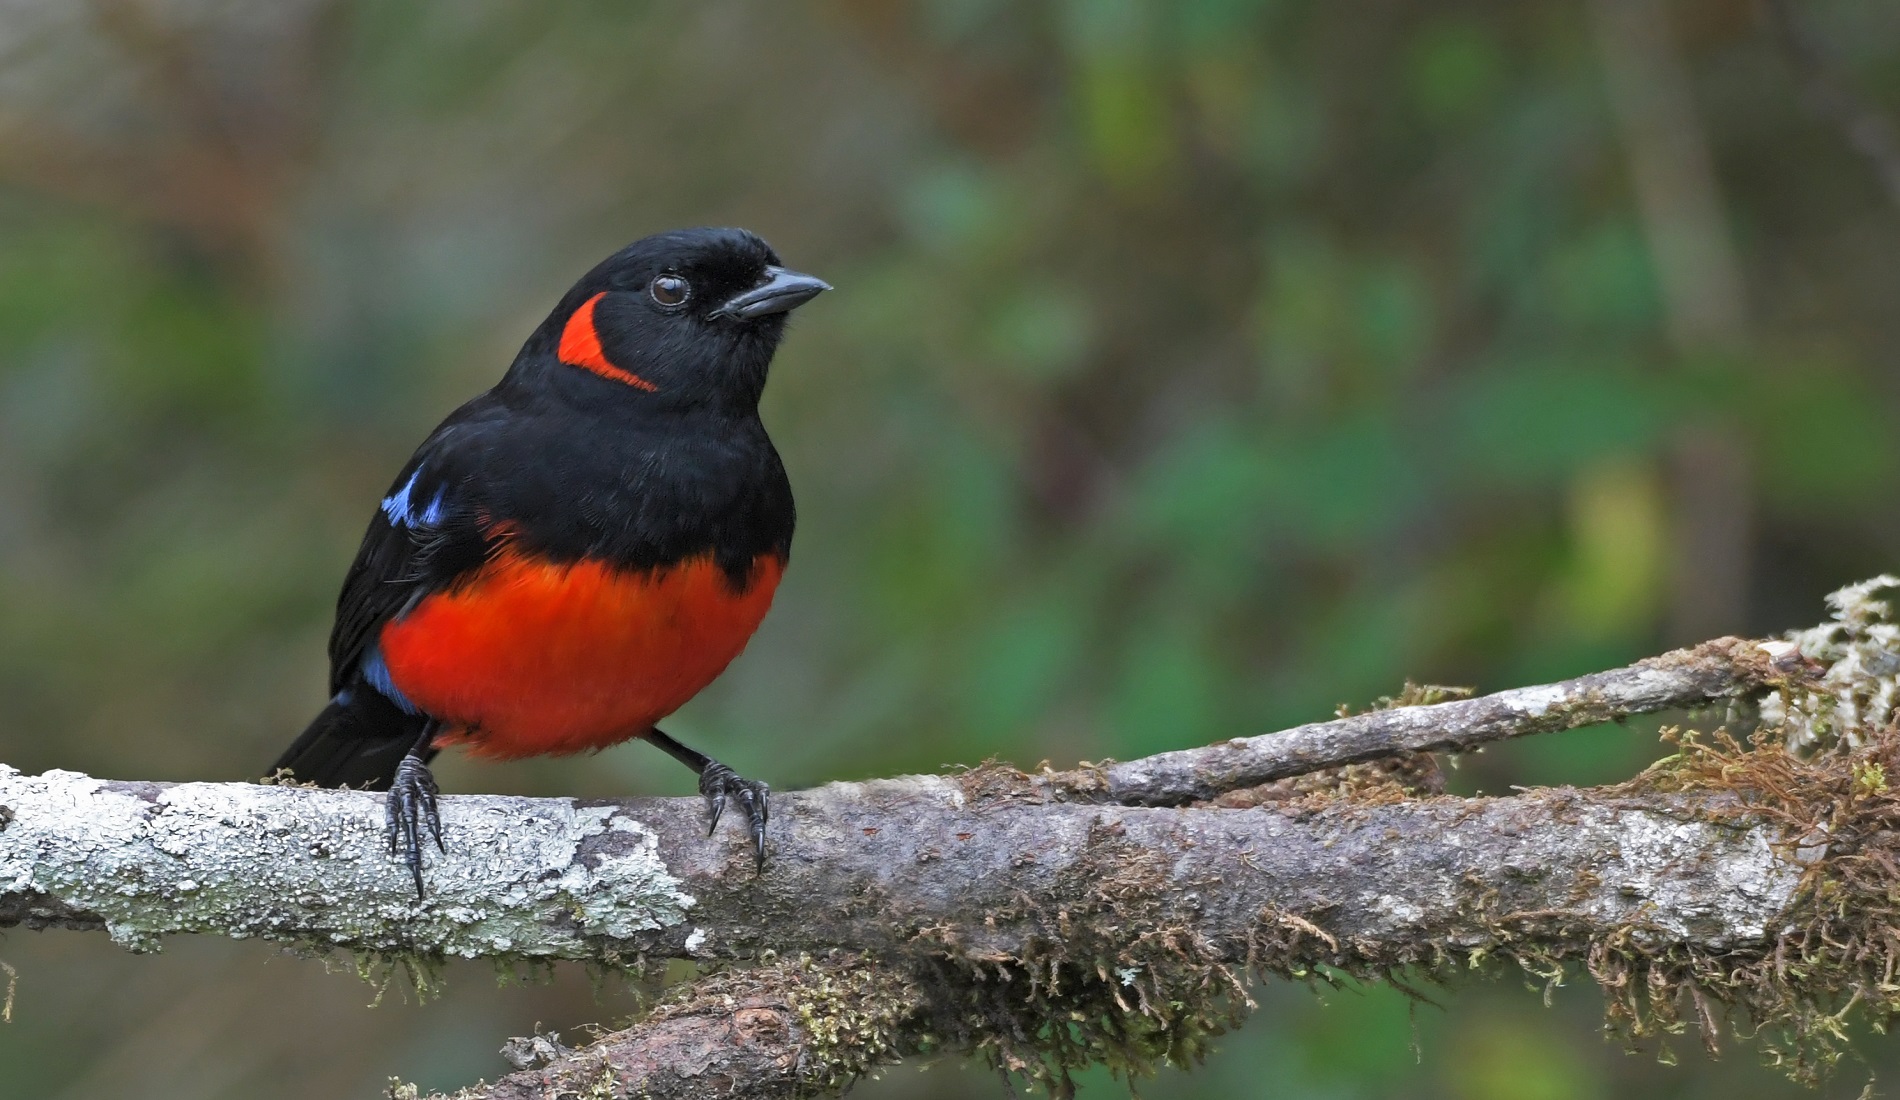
pixel 530 657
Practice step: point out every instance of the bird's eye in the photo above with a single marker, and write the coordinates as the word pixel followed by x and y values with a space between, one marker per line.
pixel 669 290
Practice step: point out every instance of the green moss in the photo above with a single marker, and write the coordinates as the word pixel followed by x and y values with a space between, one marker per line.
pixel 856 1019
pixel 418 973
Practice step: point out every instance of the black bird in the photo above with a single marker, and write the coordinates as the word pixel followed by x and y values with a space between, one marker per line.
pixel 574 554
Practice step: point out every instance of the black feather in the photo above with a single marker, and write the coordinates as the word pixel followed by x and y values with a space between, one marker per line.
pixel 355 743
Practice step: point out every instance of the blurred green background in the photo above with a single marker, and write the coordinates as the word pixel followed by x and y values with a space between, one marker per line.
pixel 1195 366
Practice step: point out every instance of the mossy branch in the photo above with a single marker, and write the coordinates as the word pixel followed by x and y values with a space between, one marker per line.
pixel 1685 678
pixel 1038 922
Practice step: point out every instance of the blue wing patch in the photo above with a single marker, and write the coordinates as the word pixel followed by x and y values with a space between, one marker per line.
pixel 401 509
pixel 376 673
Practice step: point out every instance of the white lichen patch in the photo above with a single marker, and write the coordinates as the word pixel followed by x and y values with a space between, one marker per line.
pixel 1666 879
pixel 1860 690
pixel 1692 879
pixel 929 789
pixel 313 867
pixel 1398 910
pixel 1538 701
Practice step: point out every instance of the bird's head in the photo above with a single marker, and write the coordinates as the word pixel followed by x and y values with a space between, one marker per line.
pixel 689 317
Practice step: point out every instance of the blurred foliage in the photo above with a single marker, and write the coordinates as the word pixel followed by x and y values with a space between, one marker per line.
pixel 1195 367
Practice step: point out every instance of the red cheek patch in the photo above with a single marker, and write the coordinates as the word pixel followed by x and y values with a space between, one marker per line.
pixel 580 347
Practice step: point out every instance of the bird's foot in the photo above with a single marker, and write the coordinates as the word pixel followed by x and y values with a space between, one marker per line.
pixel 411 805
pixel 718 783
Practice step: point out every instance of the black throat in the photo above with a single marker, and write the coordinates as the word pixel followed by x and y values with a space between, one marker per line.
pixel 597 471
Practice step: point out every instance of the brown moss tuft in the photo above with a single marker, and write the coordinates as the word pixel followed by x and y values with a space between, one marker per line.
pixel 993 782
pixel 1373 783
pixel 1838 948
pixel 1119 980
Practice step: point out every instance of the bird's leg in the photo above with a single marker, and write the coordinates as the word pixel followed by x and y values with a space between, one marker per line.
pixel 411 804
pixel 718 783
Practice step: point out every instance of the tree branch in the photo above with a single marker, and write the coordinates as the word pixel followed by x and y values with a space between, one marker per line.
pixel 1682 679
pixel 1043 923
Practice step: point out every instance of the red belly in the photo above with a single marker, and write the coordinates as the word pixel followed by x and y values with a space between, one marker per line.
pixel 529 658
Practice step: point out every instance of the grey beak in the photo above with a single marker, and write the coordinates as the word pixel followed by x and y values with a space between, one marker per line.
pixel 782 292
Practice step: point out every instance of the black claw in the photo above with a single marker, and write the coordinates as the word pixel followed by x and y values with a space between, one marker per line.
pixel 755 812
pixel 410 805
pixel 714 782
pixel 718 782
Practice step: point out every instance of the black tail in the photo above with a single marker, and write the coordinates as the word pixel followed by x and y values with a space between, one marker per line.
pixel 356 743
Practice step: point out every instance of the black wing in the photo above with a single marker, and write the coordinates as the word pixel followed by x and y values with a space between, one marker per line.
pixel 426 534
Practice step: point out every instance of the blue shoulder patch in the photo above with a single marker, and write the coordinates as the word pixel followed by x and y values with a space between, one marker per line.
pixel 377 675
pixel 402 511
